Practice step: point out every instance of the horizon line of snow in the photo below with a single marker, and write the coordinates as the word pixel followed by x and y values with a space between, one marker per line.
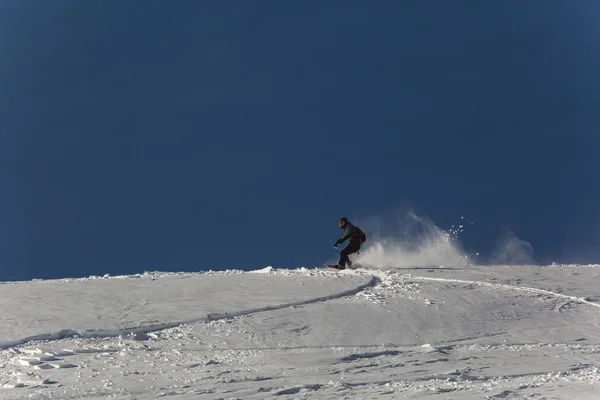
pixel 104 333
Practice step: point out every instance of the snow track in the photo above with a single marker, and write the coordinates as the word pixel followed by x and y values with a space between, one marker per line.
pixel 140 332
pixel 349 292
pixel 510 287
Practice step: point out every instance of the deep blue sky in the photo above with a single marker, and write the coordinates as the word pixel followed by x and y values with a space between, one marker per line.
pixel 191 135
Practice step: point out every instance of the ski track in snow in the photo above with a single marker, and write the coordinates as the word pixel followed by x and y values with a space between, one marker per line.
pixel 223 355
pixel 512 287
pixel 140 332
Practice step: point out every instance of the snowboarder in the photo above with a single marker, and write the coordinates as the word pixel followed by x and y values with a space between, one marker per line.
pixel 357 238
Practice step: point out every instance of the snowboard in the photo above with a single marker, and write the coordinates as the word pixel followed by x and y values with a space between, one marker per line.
pixel 353 266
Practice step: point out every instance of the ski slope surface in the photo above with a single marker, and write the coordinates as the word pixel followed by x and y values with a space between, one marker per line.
pixel 501 332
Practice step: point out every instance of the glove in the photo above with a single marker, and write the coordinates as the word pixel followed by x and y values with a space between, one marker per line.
pixel 335 246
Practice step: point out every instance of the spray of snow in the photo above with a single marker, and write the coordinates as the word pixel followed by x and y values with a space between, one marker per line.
pixel 414 241
pixel 511 250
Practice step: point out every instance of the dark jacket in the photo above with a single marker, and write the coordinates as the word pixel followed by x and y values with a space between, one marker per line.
pixel 350 232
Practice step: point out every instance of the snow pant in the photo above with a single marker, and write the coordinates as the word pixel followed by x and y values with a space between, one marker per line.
pixel 353 247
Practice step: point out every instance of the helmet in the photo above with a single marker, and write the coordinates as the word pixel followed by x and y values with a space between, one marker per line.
pixel 343 221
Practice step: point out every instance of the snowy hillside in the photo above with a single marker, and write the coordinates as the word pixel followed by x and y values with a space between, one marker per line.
pixel 506 332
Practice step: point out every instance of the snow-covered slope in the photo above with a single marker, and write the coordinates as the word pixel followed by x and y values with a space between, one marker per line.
pixel 441 333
